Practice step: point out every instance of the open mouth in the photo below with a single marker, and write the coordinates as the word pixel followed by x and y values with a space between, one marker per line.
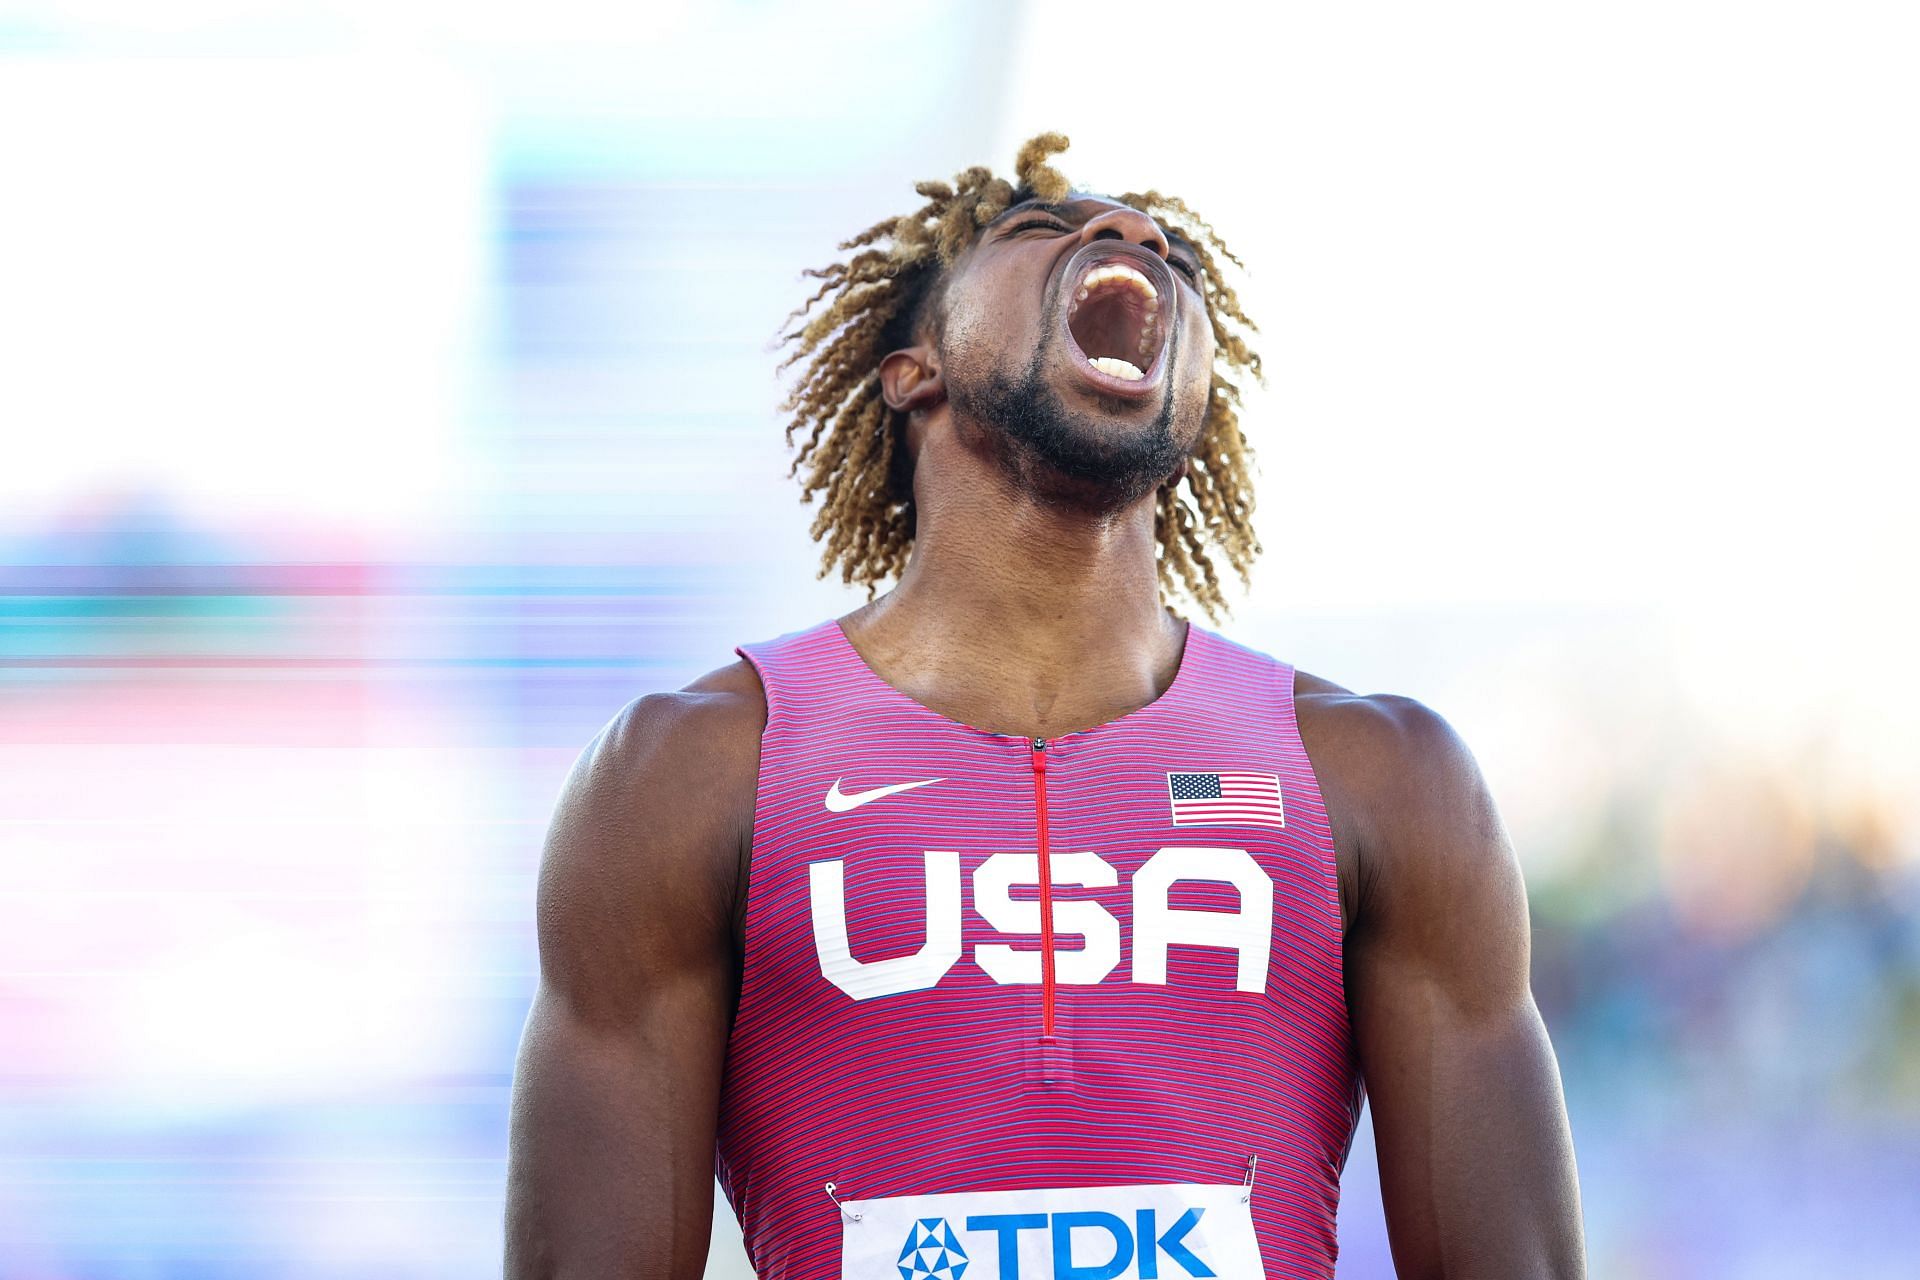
pixel 1114 318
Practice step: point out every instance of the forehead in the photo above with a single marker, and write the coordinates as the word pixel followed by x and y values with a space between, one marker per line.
pixel 1082 205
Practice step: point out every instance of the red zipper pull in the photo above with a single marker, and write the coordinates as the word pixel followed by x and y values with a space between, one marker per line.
pixel 1038 755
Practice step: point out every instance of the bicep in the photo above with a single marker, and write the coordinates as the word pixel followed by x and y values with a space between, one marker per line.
pixel 616 1090
pixel 1476 1159
pixel 611 1171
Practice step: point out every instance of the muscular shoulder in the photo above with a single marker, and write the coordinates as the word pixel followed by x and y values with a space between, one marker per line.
pixel 1407 801
pixel 706 732
pixel 646 853
pixel 686 757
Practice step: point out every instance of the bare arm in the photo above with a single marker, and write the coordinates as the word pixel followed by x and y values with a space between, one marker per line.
pixel 1476 1155
pixel 616 1092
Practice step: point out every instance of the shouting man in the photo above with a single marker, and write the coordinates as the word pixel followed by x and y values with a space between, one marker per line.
pixel 1012 925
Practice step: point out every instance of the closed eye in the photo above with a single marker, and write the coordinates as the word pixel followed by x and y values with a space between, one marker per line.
pixel 1053 224
pixel 1185 268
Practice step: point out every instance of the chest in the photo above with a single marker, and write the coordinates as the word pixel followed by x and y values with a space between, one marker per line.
pixel 1039 863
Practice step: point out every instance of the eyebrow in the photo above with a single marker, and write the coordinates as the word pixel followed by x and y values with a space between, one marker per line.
pixel 1174 238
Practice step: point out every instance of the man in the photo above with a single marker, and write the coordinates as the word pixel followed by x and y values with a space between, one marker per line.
pixel 1011 925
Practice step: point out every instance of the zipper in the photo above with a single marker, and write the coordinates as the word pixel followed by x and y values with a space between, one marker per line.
pixel 1037 754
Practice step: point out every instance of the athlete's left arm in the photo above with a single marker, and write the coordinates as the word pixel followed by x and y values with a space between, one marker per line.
pixel 1476 1154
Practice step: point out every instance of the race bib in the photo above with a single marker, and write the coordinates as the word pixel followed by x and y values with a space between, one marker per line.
pixel 1168 1231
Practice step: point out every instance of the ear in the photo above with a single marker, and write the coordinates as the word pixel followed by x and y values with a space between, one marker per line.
pixel 1179 474
pixel 910 380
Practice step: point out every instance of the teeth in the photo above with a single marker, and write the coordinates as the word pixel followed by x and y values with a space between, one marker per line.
pixel 1122 273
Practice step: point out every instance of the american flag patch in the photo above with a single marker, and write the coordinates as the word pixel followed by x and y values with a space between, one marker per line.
pixel 1225 797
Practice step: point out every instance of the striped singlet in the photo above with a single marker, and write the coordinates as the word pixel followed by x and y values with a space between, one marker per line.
pixel 1037 1008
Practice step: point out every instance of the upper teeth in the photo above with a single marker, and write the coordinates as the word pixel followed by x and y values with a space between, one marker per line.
pixel 1122 273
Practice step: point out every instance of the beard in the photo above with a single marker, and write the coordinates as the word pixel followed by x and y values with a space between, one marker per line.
pixel 1079 459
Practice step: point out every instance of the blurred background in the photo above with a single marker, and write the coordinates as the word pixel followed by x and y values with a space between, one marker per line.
pixel 387 399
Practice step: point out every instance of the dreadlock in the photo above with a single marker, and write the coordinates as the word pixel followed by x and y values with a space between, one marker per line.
pixel 872 303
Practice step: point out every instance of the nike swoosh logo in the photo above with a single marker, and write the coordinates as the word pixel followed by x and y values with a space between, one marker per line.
pixel 839 801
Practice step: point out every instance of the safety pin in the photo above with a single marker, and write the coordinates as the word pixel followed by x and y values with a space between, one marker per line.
pixel 831 1188
pixel 1251 1162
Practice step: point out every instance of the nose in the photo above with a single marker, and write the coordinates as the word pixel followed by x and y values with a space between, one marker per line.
pixel 1126 224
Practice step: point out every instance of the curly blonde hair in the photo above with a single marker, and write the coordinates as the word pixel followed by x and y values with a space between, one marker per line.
pixel 867 307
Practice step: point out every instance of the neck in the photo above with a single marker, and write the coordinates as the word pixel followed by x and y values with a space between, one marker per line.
pixel 1014 611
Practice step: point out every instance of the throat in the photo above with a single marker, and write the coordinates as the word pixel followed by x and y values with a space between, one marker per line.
pixel 1023 682
pixel 1116 327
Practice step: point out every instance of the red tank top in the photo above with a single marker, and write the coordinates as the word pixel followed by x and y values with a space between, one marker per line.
pixel 1037 1007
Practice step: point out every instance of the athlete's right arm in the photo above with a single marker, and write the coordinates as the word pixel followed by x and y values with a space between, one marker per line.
pixel 616 1091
